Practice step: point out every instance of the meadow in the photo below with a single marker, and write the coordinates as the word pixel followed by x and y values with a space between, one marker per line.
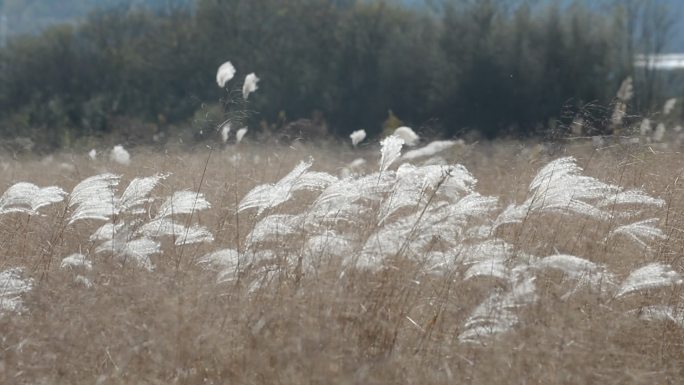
pixel 480 263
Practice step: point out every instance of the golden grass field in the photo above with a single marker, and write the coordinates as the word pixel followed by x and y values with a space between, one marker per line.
pixel 311 317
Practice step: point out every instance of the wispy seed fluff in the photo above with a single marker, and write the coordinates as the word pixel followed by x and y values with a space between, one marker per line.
pixel 120 155
pixel 240 134
pixel 225 72
pixel 410 137
pixel 390 151
pixel 250 85
pixel 357 137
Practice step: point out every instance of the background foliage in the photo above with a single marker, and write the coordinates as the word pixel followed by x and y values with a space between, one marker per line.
pixel 480 65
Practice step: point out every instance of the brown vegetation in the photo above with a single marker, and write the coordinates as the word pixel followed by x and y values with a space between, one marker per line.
pixel 391 325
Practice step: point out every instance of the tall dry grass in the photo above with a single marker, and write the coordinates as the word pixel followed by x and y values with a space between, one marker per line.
pixel 277 307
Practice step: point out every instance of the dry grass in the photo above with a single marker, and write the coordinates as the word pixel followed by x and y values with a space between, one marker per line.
pixel 396 324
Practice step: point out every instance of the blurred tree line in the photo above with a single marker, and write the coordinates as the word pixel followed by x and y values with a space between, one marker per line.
pixel 482 65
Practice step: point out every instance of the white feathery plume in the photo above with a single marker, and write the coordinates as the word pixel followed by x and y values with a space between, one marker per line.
pixel 273 226
pixel 137 194
pixel 92 154
pixel 183 235
pixel 94 198
pixel 431 149
pixel 560 187
pixel 459 181
pixel 227 260
pixel 267 196
pixel 183 202
pixel 322 214
pixel 120 155
pixel 387 241
pixel 640 232
pixel 357 137
pixel 400 235
pixel 496 314
pixel 225 72
pixel 645 127
pixel 669 106
pixel 139 249
pixel 441 220
pixel 570 206
pixel 220 258
pixel 259 257
pixel 410 187
pixel 314 181
pixel 348 190
pixel 438 261
pixel 651 276
pixel 11 288
pixel 328 244
pixel 106 231
pixel 390 151
pixel 488 258
pixel 261 197
pixel 240 134
pixel 631 197
pixel 555 171
pixel 564 174
pixel 404 194
pixel 263 268
pixel 75 261
pixel 28 198
pixel 408 234
pixel 250 85
pixel 585 272
pixel 574 267
pixel 512 214
pixel 660 313
pixel 409 136
pixel 225 131
pixel 472 205
pixel 504 321
pixel 489 250
pixel 425 176
pixel 371 187
pixel 194 234
pixel 18 197
pixel 489 268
